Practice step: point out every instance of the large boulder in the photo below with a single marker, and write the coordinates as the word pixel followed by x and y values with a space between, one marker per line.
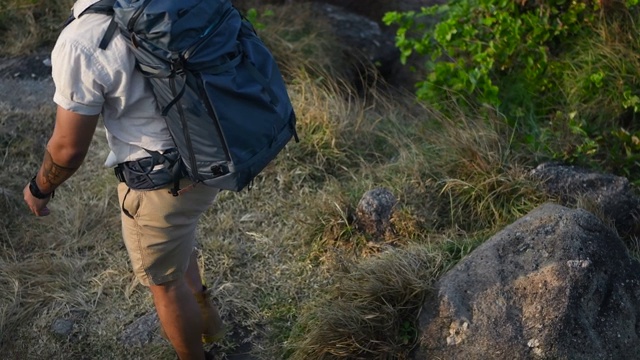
pixel 556 284
pixel 609 196
pixel 373 9
pixel 364 41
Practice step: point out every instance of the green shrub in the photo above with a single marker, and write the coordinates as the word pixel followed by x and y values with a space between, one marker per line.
pixel 564 72
pixel 601 77
pixel 481 48
pixel 600 87
pixel 254 17
pixel 612 149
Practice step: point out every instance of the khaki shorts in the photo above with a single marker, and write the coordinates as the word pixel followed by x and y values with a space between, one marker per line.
pixel 161 235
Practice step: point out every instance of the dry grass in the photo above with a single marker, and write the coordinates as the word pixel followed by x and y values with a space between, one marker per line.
pixel 281 258
pixel 294 40
pixel 480 173
pixel 371 310
pixel 26 25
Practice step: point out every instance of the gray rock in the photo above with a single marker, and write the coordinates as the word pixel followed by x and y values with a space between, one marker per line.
pixel 611 197
pixel 556 284
pixel 360 32
pixel 375 9
pixel 374 212
pixel 389 66
pixel 142 331
pixel 62 327
pixel 363 39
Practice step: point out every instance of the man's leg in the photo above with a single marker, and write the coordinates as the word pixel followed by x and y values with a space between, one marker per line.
pixel 159 233
pixel 192 276
pixel 180 318
pixel 212 326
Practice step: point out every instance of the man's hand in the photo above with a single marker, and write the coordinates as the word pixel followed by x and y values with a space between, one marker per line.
pixel 37 206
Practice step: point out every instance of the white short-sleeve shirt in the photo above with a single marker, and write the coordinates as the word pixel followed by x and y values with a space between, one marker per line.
pixel 91 81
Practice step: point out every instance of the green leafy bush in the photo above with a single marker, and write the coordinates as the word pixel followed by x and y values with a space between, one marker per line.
pixel 566 73
pixel 254 17
pixel 483 48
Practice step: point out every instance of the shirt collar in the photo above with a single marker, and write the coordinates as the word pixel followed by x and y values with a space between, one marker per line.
pixel 82 5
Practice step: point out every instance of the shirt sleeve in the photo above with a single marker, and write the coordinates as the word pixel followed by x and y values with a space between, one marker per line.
pixel 80 79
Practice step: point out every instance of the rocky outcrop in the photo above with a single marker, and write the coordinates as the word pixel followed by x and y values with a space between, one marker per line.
pixel 556 284
pixel 373 9
pixel 364 42
pixel 610 197
pixel 359 25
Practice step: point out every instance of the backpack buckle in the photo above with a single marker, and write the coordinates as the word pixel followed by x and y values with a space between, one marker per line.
pixel 177 65
pixel 219 170
pixel 119 172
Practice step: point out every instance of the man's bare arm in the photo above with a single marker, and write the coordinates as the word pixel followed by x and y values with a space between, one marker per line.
pixel 65 152
pixel 66 148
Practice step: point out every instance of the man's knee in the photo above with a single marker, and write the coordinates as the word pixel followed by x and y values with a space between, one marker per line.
pixel 169 287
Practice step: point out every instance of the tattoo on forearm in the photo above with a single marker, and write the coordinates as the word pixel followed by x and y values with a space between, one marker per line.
pixel 52 174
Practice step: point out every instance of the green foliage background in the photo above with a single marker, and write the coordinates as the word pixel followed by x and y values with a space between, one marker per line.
pixel 557 69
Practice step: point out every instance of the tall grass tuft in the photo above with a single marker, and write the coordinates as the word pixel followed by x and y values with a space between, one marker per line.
pixel 482 172
pixel 371 310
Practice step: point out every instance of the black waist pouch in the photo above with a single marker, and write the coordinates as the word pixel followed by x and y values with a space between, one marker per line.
pixel 153 172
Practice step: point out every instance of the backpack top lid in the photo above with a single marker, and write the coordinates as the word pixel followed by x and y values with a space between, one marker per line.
pixel 169 24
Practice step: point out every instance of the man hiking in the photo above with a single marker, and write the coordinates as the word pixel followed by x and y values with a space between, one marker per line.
pixel 158 228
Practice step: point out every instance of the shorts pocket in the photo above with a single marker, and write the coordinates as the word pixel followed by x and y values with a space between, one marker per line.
pixel 131 203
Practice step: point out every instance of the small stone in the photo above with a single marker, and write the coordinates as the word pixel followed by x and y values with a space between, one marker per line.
pixel 374 211
pixel 62 327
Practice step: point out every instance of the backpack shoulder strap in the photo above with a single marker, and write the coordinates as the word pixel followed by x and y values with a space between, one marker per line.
pixel 108 35
pixel 101 7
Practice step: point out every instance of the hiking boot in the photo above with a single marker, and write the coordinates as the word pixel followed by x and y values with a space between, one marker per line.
pixel 213 328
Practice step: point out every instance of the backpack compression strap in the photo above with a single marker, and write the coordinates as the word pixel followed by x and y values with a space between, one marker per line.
pixel 101 7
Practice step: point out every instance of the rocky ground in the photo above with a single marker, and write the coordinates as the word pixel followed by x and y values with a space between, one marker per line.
pixel 25 81
pixel 34 66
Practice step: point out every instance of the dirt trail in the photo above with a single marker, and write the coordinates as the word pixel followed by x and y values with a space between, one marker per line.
pixel 25 81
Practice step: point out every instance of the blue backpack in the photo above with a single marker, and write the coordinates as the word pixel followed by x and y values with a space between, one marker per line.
pixel 218 86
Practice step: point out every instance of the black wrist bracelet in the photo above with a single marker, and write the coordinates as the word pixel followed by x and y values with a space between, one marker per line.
pixel 35 190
